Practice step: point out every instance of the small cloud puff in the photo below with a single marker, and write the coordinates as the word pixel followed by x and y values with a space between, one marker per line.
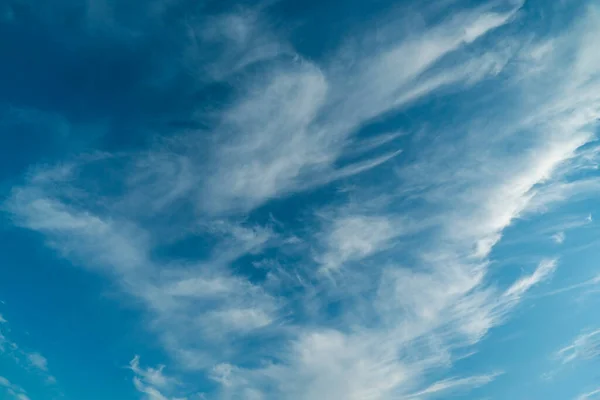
pixel 559 237
pixel 38 361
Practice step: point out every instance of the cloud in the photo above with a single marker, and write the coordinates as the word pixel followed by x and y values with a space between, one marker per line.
pixel 38 361
pixel 589 395
pixel 559 237
pixel 13 390
pixel 557 231
pixel 152 376
pixel 353 237
pixel 456 383
pixel 585 284
pixel 407 250
pixel 291 126
pixel 184 300
pixel 287 128
pixel 586 346
pixel 149 392
pixel 33 207
pixel 152 382
pixel 272 140
pixel 26 359
pixel 243 37
pixel 378 80
pixel 545 269
pixel 326 364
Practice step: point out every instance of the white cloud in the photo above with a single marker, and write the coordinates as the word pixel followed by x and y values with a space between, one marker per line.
pixel 584 347
pixel 239 319
pixel 379 82
pixel 585 284
pixel 185 298
pixel 589 395
pixel 406 303
pixel 150 392
pixel 152 376
pixel 544 269
pixel 290 128
pixel 15 391
pixel 35 209
pixel 353 237
pixel 244 37
pixel 273 140
pixel 152 382
pixel 559 237
pixel 330 364
pixel 38 361
pixel 26 359
pixel 451 384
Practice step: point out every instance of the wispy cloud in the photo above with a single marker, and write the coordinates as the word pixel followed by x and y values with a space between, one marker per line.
pixel 589 395
pixel 38 361
pixel 584 347
pixel 187 299
pixel 15 391
pixel 29 360
pixel 291 125
pixel 386 282
pixel 243 36
pixel 448 385
pixel 354 237
pixel 152 382
pixel 559 237
pixel 577 286
pixel 545 269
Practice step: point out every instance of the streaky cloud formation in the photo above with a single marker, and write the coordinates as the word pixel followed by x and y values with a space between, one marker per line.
pixel 311 226
pixel 589 395
pixel 584 347
pixel 450 384
pixel 13 390
pixel 24 359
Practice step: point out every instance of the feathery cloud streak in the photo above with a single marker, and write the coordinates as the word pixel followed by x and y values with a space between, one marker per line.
pixel 381 286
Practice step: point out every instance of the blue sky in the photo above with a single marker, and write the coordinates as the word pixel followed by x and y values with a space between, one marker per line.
pixel 358 200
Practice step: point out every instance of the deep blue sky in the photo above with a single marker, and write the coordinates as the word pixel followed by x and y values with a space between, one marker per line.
pixel 361 200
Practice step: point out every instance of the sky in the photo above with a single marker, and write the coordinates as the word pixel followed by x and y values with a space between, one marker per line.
pixel 299 200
